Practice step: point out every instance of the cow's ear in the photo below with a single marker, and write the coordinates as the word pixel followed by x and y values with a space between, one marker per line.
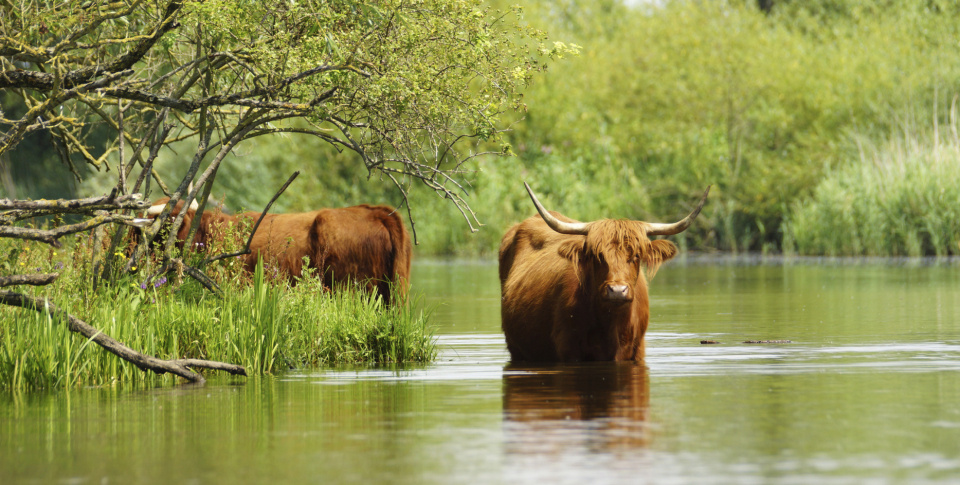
pixel 661 251
pixel 572 250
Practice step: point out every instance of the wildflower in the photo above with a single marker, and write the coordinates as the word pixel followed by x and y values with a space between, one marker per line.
pixel 133 268
pixel 143 286
pixel 59 265
pixel 160 282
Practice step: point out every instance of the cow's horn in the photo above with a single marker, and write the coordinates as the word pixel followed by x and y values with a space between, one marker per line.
pixel 580 228
pixel 659 229
pixel 193 203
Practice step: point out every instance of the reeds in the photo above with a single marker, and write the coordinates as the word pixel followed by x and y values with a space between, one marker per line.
pixel 902 198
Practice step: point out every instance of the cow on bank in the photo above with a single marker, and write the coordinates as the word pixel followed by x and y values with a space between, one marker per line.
pixel 363 243
pixel 576 291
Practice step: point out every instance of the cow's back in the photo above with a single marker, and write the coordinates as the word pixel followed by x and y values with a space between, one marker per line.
pixel 281 240
pixel 363 243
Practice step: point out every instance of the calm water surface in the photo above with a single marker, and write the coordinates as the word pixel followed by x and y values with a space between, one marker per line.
pixel 867 392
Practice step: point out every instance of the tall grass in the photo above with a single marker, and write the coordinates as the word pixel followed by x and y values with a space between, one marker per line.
pixel 901 198
pixel 266 327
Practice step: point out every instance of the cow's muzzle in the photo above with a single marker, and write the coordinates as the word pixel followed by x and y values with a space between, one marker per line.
pixel 617 293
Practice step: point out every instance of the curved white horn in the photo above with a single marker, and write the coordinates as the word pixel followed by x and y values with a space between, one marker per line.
pixel 578 228
pixel 661 229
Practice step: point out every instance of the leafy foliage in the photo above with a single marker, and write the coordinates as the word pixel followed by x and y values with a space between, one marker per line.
pixel 404 85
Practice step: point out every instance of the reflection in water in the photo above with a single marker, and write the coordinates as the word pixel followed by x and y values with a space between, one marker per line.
pixel 558 408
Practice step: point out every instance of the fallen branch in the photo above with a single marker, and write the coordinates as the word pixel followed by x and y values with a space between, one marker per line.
pixel 103 202
pixel 29 279
pixel 178 367
pixel 51 236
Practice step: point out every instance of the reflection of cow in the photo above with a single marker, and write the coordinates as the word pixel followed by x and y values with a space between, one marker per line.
pixel 575 291
pixel 360 243
pixel 548 409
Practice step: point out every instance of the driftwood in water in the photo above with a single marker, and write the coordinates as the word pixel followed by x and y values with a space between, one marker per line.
pixel 710 342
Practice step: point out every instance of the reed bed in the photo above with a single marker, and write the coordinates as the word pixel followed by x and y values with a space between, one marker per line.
pixel 902 198
pixel 265 326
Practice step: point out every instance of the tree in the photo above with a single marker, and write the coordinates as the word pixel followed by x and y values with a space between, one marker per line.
pixel 417 89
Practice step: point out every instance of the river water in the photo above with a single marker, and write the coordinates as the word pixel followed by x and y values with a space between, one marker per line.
pixel 867 391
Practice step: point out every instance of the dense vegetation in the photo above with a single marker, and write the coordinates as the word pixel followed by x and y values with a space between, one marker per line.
pixel 770 108
pixel 824 126
pixel 261 323
pixel 409 88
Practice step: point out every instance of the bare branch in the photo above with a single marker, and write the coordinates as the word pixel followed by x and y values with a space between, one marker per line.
pixel 51 236
pixel 29 279
pixel 104 202
pixel 15 134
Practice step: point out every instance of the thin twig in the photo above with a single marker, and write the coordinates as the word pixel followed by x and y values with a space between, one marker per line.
pixel 246 247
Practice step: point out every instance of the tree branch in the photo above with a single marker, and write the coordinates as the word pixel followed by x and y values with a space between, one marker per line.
pixel 103 202
pixel 43 81
pixel 246 247
pixel 29 279
pixel 51 236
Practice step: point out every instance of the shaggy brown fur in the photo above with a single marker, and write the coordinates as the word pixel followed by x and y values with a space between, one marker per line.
pixel 361 243
pixel 553 306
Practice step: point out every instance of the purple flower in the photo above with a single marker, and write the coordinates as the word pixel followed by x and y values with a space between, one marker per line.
pixel 143 286
pixel 59 265
pixel 160 282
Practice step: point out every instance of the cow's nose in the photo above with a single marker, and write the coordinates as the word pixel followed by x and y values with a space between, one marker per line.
pixel 618 293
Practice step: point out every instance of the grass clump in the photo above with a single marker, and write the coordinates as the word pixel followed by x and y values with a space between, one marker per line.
pixel 900 199
pixel 264 326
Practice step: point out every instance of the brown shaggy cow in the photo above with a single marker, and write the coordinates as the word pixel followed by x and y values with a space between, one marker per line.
pixel 575 291
pixel 361 243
